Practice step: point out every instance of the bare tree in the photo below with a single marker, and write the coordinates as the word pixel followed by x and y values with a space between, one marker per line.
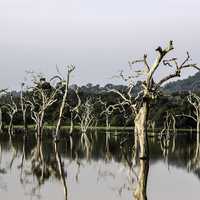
pixel 24 106
pixel 12 109
pixel 1 106
pixel 194 100
pixel 1 120
pixel 65 82
pixel 107 110
pixel 43 96
pixel 168 131
pixel 140 102
pixel 74 111
pixel 86 115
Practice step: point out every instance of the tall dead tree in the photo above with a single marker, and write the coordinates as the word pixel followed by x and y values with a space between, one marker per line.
pixel 140 103
pixel 65 83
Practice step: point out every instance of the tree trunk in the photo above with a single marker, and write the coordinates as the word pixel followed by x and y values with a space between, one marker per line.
pixel 107 122
pixel 141 130
pixel 198 126
pixel 71 124
pixel 41 119
pixel 197 139
pixel 25 123
pixel 10 128
pixel 40 125
pixel 1 121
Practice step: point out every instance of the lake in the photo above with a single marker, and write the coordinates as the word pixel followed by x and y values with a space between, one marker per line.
pixel 98 165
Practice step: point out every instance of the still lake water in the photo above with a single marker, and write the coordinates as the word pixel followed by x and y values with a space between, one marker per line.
pixel 96 166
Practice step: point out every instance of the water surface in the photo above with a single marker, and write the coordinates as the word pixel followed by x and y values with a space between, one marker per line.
pixel 97 166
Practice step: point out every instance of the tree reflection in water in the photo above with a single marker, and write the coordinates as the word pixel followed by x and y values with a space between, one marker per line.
pixel 112 155
pixel 61 169
pixel 140 192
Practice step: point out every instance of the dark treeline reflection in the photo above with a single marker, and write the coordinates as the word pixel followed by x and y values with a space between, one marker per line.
pixel 48 159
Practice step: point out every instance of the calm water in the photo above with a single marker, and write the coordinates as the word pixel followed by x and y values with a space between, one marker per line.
pixel 97 166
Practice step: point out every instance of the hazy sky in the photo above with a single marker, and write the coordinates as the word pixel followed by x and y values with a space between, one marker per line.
pixel 99 37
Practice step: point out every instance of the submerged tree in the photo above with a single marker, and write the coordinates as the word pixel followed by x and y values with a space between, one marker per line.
pixel 64 81
pixel 43 96
pixel 109 109
pixel 168 131
pixel 194 101
pixel 74 110
pixel 1 116
pixel 24 106
pixel 140 103
pixel 12 109
pixel 86 115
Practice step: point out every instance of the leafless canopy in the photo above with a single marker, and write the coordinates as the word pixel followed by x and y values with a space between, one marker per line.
pixel 150 88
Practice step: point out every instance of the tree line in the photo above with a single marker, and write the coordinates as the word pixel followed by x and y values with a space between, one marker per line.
pixel 173 102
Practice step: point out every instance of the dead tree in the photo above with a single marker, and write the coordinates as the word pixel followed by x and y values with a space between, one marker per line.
pixel 1 120
pixel 11 111
pixel 140 103
pixel 1 106
pixel 168 131
pixel 43 96
pixel 151 125
pixel 107 110
pixel 86 115
pixel 65 83
pixel 194 100
pixel 24 106
pixel 74 111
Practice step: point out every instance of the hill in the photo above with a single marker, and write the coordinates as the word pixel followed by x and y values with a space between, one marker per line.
pixel 192 83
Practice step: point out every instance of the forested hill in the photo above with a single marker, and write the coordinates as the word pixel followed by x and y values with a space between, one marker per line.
pixel 192 83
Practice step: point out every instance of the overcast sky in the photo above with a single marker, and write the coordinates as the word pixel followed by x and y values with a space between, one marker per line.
pixel 99 37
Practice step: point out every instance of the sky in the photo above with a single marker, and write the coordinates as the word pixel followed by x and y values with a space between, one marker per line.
pixel 98 37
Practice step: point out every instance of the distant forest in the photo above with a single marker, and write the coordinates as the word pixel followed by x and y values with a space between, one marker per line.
pixel 173 100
